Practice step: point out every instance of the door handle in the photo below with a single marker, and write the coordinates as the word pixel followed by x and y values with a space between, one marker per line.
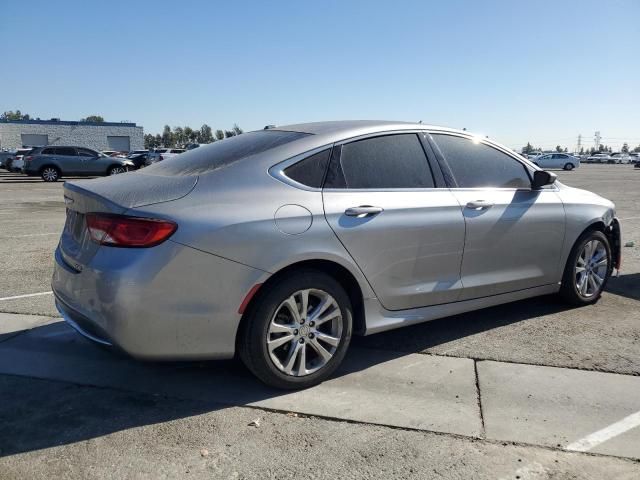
pixel 479 205
pixel 363 210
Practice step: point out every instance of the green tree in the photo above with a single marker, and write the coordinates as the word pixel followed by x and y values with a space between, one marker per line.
pixel 558 148
pixel 219 134
pixel 229 133
pixel 17 115
pixel 637 149
pixel 178 136
pixel 625 148
pixel 190 134
pixel 93 118
pixel 158 140
pixel 237 129
pixel 528 148
pixel 150 141
pixel 167 137
pixel 205 135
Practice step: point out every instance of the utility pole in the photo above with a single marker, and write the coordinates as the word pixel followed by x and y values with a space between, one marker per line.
pixel 596 140
pixel 579 143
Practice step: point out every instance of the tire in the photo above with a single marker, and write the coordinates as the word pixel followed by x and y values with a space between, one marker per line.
pixel 270 318
pixel 116 170
pixel 50 174
pixel 568 166
pixel 570 289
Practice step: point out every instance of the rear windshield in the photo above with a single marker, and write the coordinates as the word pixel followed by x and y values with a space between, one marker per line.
pixel 223 153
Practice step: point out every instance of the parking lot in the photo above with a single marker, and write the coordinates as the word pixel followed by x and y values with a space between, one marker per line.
pixel 528 390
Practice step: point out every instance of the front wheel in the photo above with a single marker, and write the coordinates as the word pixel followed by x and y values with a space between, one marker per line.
pixel 297 332
pixel 568 166
pixel 588 269
pixel 116 170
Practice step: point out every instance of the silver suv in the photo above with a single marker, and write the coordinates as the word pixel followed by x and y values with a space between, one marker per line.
pixel 51 163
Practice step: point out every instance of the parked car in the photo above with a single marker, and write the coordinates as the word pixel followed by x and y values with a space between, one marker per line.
pixel 139 159
pixel 17 161
pixel 282 243
pixel 4 156
pixel 53 162
pixel 160 154
pixel 557 160
pixel 598 158
pixel 618 157
pixel 634 157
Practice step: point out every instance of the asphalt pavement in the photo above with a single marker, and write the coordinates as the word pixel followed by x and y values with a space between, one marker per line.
pixel 529 390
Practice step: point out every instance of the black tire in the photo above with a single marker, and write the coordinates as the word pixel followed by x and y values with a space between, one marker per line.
pixel 568 289
pixel 568 166
pixel 50 173
pixel 112 170
pixel 252 338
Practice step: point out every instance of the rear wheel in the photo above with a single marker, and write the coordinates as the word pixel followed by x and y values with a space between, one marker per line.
pixel 568 166
pixel 588 269
pixel 50 174
pixel 298 331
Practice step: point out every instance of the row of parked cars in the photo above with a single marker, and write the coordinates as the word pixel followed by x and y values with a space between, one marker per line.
pixel 569 162
pixel 53 162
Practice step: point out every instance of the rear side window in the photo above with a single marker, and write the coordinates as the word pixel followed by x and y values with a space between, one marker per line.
pixel 390 161
pixel 66 151
pixel 223 153
pixel 476 165
pixel 48 151
pixel 85 152
pixel 310 171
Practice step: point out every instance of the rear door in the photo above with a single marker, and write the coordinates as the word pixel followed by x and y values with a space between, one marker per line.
pixel 405 233
pixel 514 234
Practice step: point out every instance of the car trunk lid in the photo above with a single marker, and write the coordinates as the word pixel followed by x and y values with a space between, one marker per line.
pixel 116 195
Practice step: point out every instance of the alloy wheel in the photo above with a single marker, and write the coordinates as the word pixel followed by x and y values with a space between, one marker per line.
pixel 50 174
pixel 591 268
pixel 117 170
pixel 305 332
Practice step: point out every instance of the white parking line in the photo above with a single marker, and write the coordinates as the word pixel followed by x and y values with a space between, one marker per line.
pixel 596 438
pixel 32 235
pixel 534 470
pixel 25 296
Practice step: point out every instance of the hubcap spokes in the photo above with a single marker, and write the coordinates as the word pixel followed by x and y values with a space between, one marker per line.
pixel 591 268
pixel 50 174
pixel 305 332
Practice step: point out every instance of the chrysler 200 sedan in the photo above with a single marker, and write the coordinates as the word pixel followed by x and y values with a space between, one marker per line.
pixel 280 244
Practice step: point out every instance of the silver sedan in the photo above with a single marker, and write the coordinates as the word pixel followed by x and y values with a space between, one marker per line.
pixel 280 244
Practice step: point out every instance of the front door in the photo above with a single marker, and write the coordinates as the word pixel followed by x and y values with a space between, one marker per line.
pixel 514 234
pixel 406 236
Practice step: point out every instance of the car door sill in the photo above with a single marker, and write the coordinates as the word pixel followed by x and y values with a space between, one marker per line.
pixel 379 319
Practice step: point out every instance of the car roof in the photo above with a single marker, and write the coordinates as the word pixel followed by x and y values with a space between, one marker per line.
pixel 349 128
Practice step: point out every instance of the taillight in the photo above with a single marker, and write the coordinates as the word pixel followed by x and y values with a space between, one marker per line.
pixel 123 231
pixel 28 159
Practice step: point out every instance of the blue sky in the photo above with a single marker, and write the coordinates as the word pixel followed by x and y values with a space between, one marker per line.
pixel 537 70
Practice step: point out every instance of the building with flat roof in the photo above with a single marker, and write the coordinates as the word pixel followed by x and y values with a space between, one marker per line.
pixel 118 136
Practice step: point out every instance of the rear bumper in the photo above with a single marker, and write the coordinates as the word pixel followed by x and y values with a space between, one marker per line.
pixel 168 302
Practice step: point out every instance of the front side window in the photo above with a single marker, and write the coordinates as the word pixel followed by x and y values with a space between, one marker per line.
pixel 476 165
pixel 390 161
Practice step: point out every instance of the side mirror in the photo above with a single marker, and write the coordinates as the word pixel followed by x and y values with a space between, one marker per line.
pixel 542 178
